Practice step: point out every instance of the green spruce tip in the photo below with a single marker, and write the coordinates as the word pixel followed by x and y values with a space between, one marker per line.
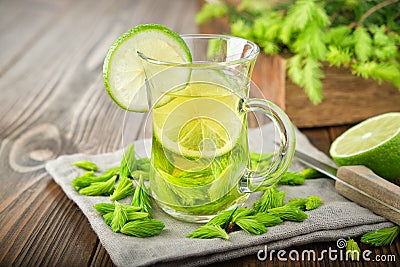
pixel 209 231
pixel 119 217
pixel 289 213
pixel 99 188
pixel 89 177
pixel 222 219
pixel 128 163
pixel 141 198
pixel 292 178
pixel 251 225
pixel 83 180
pixel 271 198
pixel 86 165
pixel 381 237
pixel 124 189
pixel 353 251
pixel 143 228
pixel 104 208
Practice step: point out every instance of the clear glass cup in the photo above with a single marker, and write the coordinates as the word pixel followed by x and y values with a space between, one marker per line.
pixel 200 153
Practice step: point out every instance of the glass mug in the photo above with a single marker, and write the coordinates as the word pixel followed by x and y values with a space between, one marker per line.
pixel 200 152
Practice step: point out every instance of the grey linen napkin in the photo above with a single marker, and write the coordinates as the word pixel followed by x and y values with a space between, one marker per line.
pixel 336 218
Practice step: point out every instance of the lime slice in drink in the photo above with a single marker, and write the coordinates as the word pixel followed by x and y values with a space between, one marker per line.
pixel 123 71
pixel 202 135
pixel 200 120
pixel 374 143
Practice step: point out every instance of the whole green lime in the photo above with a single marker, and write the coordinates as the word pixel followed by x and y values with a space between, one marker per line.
pixel 374 143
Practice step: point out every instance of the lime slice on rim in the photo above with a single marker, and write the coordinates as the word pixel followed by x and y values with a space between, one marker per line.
pixel 374 143
pixel 123 72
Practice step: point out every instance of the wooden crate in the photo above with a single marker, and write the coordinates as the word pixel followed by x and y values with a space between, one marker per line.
pixel 347 99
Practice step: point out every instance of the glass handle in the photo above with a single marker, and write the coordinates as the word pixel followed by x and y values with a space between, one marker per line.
pixel 255 180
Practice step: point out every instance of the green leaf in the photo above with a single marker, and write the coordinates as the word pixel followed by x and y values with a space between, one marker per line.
pixel 109 207
pixel 128 163
pixel 136 215
pixel 266 219
pixel 86 165
pixel 241 29
pixel 255 6
pixel 300 14
pixel 104 208
pixel 209 231
pixel 260 161
pixel 124 189
pixel 313 202
pixel 119 217
pixel 384 71
pixel 352 250
pixel 108 217
pixel 211 10
pixel 143 164
pixel 339 37
pixel 289 213
pixel 339 57
pixel 240 213
pixel 222 219
pixel 141 198
pixel 310 42
pixel 143 228
pixel 89 177
pixel 270 47
pixel 295 70
pixel 310 173
pixel 84 180
pixel 271 198
pixel 251 225
pixel 363 44
pixel 292 178
pixel 312 80
pixel 298 203
pixel 139 173
pixel 99 188
pixel 267 27
pixel 381 237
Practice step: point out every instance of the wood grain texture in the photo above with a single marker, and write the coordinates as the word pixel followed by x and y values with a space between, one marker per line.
pixel 53 102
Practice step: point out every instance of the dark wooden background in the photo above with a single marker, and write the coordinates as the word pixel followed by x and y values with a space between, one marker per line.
pixel 52 102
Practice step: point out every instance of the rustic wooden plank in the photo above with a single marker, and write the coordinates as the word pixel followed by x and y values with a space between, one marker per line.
pixel 347 99
pixel 101 258
pixel 64 111
pixel 54 103
pixel 21 27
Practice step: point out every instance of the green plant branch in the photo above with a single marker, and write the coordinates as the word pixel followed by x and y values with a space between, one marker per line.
pixel 375 8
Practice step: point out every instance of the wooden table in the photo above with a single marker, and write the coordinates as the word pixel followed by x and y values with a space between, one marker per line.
pixel 53 103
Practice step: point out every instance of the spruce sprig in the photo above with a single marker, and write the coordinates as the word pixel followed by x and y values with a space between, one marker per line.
pixel 128 163
pixel 124 188
pixel 143 228
pixel 86 165
pixel 209 231
pixel 352 250
pixel 90 177
pixel 99 188
pixel 361 36
pixel 381 237
pixel 119 217
pixel 141 198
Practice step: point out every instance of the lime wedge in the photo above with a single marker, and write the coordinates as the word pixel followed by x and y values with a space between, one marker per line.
pixel 123 73
pixel 374 143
